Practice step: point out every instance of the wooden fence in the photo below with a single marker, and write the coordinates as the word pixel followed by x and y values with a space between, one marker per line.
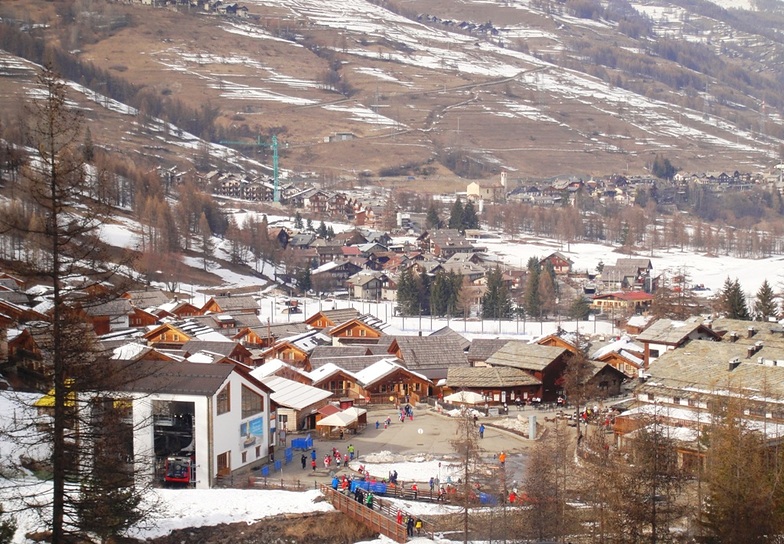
pixel 379 521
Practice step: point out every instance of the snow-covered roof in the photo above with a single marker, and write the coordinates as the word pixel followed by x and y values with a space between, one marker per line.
pixel 382 368
pixel 321 373
pixel 291 394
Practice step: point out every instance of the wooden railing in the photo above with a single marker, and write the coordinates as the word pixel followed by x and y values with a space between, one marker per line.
pixel 374 519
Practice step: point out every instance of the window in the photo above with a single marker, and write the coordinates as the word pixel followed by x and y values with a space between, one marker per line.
pixel 258 452
pixel 252 402
pixel 362 332
pixel 224 400
pixel 651 397
pixel 176 337
pixel 653 353
pixel 349 332
pixel 244 457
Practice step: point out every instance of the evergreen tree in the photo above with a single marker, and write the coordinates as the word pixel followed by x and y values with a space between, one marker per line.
pixel 322 231
pixel 7 528
pixel 309 227
pixel 445 294
pixel 298 221
pixel 765 304
pixel 732 300
pixel 304 282
pixel 456 215
pixel 531 301
pixel 432 220
pixel 470 219
pixel 580 308
pixel 424 284
pixel 407 293
pixel 547 290
pixel 496 303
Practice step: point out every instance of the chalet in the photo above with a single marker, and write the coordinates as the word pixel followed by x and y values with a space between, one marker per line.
pixel 140 318
pixel 167 336
pixel 334 272
pixel 350 238
pixel 301 240
pixel 554 340
pixel 327 252
pixel 498 385
pixel 482 349
pixel 623 354
pixel 390 381
pixel 21 314
pixel 666 335
pixel 325 319
pixel 110 316
pixel 368 285
pixel 228 303
pixel 630 273
pixel 604 379
pixel 289 353
pixel 461 340
pixel 560 263
pixel 545 363
pixel 264 336
pixel 365 329
pixel 338 381
pixel 431 356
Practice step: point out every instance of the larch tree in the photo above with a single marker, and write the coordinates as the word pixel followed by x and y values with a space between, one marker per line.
pixel 468 452
pixel 55 184
pixel 206 245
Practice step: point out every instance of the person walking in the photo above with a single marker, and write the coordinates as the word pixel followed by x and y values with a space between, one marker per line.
pixel 410 525
pixel 482 430
pixel 502 459
pixel 304 460
pixel 415 490
pixel 351 452
pixel 369 500
pixel 432 484
pixel 313 464
pixel 418 525
pixel 313 455
pixel 400 517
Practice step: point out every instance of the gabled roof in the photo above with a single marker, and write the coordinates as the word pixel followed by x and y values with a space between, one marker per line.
pixel 112 308
pixel 667 331
pixel 526 356
pixel 223 348
pixel 482 348
pixel 350 364
pixel 489 377
pixel 170 377
pixel 430 352
pixel 291 394
pixel 336 316
pixel 233 303
pixel 328 370
pixel 147 298
pixel 366 320
pixel 383 368
pixel 447 331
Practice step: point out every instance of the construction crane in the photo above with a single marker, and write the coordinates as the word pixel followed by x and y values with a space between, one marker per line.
pixel 274 147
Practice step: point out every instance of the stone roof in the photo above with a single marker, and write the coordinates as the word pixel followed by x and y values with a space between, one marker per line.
pixel 525 356
pixel 704 365
pixel 667 331
pixel 221 348
pixel 351 364
pixel 447 331
pixel 148 298
pixel 489 377
pixel 431 355
pixel 170 377
pixel 482 348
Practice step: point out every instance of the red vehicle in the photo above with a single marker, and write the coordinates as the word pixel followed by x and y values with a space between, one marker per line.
pixel 178 470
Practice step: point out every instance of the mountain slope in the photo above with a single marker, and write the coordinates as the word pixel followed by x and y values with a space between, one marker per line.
pixel 437 88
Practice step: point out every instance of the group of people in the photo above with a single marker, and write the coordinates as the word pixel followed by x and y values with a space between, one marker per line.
pixel 411 523
pixel 336 456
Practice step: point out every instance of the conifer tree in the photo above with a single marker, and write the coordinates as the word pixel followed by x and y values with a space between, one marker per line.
pixel 532 301
pixel 580 308
pixel 432 221
pixel 732 300
pixel 407 293
pixel 298 221
pixel 456 215
pixel 765 304
pixel 470 219
pixel 496 303
pixel 322 231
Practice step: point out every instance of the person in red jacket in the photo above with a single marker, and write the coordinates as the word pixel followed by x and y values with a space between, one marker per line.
pixel 414 489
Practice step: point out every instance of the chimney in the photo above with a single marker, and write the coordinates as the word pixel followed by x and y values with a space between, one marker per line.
pixel 733 364
pixel 758 346
pixel 733 337
pixel 750 332
pixel 750 351
pixel 709 323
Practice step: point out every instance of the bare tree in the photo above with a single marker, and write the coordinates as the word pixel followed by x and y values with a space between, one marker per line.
pixel 466 445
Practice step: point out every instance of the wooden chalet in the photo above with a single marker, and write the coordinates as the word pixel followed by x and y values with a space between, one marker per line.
pixel 560 263
pixel 139 318
pixel 338 381
pixel 178 308
pixel 365 329
pixel 21 314
pixel 389 381
pixel 430 356
pixel 605 379
pixel 498 384
pixel 554 340
pixel 264 336
pixel 622 302
pixel 167 336
pixel 325 319
pixel 623 354
pixel 287 352
pixel 545 363
pixel 110 316
pixel 228 303
pixel 482 349
pixel 149 298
